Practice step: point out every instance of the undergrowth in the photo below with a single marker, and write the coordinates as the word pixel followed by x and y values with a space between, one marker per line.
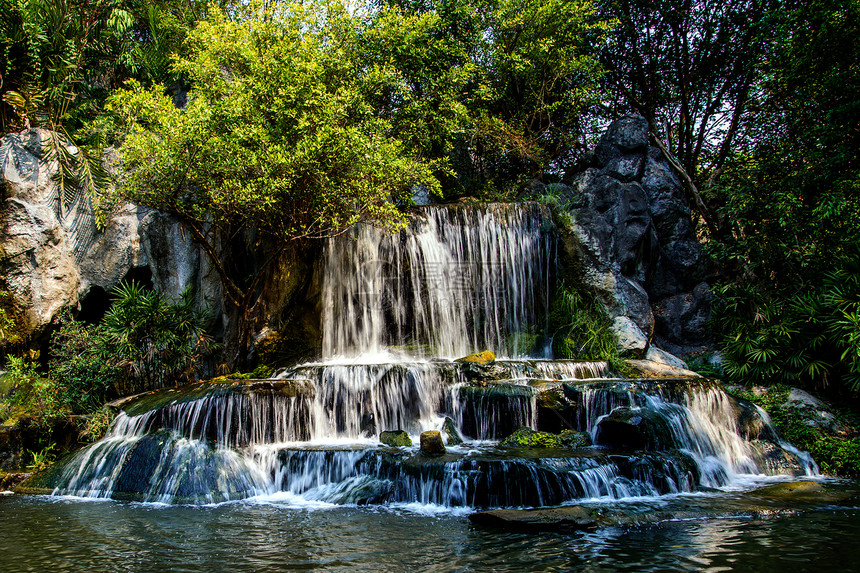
pixel 580 329
pixel 835 454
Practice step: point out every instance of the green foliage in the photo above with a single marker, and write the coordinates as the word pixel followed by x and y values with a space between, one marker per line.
pixel 84 363
pixel 809 338
pixel 788 309
pixel 279 131
pixel 835 455
pixel 581 329
pixel 8 334
pixel 496 89
pixel 43 458
pixel 153 341
pixel 97 424
pixel 39 398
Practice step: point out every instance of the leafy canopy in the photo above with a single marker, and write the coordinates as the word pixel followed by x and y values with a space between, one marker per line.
pixel 279 132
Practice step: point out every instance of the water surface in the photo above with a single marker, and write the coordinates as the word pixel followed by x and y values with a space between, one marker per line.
pixel 51 534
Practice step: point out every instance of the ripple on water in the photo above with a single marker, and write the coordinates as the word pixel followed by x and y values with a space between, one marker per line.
pixel 40 534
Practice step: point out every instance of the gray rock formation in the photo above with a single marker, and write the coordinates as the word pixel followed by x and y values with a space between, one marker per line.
pixel 52 256
pixel 633 244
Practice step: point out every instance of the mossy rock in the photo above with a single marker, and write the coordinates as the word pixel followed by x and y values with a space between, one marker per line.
pixel 573 439
pixel 449 428
pixel 395 439
pixel 431 443
pixel 525 437
pixel 484 357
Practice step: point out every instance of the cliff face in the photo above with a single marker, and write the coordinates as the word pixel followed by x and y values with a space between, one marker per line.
pixel 53 257
pixel 631 242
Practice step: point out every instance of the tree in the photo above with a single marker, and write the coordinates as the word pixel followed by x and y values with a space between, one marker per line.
pixel 792 205
pixel 279 141
pixel 690 67
pixel 496 90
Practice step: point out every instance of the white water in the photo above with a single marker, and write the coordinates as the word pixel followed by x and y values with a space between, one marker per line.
pixel 459 279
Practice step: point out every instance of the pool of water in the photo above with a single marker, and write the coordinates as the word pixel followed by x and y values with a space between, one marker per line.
pixel 55 534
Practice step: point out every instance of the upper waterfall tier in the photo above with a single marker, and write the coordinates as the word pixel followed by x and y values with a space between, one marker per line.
pixel 458 278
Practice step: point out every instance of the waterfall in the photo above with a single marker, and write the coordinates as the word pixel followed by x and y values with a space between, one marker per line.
pixel 458 279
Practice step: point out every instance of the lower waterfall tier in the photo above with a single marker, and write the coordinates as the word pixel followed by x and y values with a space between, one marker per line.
pixel 314 434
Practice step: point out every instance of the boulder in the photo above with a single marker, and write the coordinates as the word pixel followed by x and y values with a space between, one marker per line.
pixel 452 436
pixel 632 243
pixel 395 439
pixel 573 439
pixel 431 443
pixel 634 428
pixel 525 437
pixel 483 358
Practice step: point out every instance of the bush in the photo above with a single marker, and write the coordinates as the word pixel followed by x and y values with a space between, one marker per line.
pixel 154 342
pixel 80 359
pixel 809 337
pixel 835 455
pixel 581 330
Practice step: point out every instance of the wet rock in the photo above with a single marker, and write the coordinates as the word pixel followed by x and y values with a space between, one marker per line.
pixel 431 443
pixel 775 460
pixel 484 357
pixel 395 439
pixel 573 439
pixel 652 369
pixel 525 437
pixel 451 434
pixel 634 428
pixel 576 517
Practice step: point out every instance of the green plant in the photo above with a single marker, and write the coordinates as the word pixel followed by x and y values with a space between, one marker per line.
pixel 581 329
pixel 154 341
pixel 43 458
pixel 7 320
pixel 96 424
pixel 83 361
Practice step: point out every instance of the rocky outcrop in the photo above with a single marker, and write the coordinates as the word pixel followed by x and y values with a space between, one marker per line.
pixel 53 256
pixel 631 241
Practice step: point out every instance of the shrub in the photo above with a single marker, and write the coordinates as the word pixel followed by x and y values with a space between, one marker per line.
pixel 580 329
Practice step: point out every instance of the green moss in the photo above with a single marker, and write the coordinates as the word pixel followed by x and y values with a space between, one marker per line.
pixel 835 455
pixel 395 439
pixel 525 437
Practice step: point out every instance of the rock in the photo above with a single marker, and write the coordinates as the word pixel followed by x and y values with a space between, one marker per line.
pixel 483 358
pixel 56 258
pixel 634 428
pixel 452 436
pixel 776 460
pixel 632 243
pixel 652 369
pixel 525 437
pixel 631 340
pixel 573 439
pixel 626 135
pixel 395 439
pixel 654 354
pixel 574 517
pixel 431 443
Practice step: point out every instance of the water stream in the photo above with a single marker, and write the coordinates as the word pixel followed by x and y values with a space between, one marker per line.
pixel 397 310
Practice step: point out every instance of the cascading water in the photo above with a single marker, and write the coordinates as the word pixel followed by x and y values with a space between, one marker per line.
pixel 458 279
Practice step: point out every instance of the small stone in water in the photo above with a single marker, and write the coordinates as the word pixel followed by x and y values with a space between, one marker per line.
pixel 483 357
pixel 431 443
pixel 396 438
